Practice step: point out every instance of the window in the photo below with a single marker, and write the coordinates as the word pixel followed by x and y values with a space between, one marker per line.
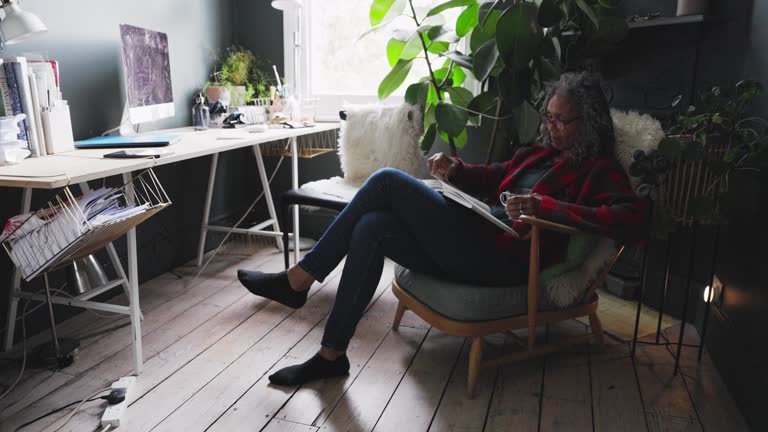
pixel 336 64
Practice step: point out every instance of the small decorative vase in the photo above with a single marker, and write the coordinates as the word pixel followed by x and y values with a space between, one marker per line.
pixel 691 7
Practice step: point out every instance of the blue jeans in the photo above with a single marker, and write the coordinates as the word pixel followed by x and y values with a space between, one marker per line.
pixel 397 216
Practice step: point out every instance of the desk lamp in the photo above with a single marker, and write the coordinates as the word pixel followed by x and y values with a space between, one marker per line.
pixel 295 7
pixel 18 25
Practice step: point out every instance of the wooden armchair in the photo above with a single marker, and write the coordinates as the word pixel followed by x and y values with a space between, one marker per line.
pixel 406 289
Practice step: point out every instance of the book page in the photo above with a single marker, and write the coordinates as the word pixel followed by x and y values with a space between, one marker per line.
pixel 455 194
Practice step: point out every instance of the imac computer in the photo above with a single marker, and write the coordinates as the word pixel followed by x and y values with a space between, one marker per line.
pixel 146 77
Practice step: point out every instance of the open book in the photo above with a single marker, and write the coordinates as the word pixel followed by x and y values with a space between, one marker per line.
pixel 452 192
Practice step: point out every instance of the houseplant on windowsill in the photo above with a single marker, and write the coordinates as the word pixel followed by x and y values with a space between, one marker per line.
pixel 688 174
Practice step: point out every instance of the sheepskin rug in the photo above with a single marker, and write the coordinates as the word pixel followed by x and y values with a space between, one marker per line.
pixel 634 132
pixel 567 288
pixel 379 136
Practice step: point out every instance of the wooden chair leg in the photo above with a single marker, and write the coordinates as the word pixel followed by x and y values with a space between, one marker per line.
pixel 597 330
pixel 398 315
pixel 475 357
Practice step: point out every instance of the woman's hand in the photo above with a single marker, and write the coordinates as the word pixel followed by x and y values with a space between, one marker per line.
pixel 518 205
pixel 442 166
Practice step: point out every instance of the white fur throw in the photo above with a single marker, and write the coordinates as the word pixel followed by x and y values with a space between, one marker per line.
pixel 379 136
pixel 567 288
pixel 634 132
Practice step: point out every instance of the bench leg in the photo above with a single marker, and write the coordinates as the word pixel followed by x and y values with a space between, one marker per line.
pixel 398 315
pixel 475 358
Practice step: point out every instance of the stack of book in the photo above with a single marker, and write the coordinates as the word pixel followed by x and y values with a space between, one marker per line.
pixel 29 87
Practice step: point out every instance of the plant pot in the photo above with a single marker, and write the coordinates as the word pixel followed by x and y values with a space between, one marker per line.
pixel 218 94
pixel 238 95
pixel 691 7
pixel 693 179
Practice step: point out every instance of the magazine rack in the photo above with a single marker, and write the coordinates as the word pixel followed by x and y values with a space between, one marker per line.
pixel 67 228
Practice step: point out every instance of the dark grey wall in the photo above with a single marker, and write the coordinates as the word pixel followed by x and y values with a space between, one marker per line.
pixel 84 37
pixel 735 337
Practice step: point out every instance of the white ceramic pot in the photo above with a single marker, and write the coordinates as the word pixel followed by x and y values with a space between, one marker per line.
pixel 692 7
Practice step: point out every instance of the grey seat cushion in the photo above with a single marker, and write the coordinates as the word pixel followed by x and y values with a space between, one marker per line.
pixel 466 302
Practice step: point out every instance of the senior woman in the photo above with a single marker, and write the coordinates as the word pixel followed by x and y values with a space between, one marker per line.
pixel 574 180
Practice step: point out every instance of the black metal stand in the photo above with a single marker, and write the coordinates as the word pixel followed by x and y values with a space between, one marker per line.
pixel 688 274
pixel 711 295
pixel 686 300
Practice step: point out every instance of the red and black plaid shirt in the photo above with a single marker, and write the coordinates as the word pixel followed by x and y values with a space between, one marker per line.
pixel 595 196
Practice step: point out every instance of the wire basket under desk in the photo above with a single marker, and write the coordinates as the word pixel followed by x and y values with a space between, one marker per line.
pixel 69 228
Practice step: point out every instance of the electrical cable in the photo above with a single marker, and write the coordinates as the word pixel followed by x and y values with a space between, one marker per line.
pixel 237 224
pixel 54 292
pixel 52 412
pixel 24 351
pixel 77 408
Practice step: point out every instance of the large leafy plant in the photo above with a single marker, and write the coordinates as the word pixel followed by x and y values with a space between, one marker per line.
pixel 510 46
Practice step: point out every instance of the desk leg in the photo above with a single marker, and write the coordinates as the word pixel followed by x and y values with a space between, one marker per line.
pixel 295 185
pixel 207 209
pixel 133 281
pixel 268 194
pixel 13 293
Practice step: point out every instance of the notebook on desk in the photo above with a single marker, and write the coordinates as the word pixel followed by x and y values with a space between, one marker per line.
pixel 128 141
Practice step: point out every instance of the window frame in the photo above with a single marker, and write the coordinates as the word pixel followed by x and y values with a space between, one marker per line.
pixel 296 28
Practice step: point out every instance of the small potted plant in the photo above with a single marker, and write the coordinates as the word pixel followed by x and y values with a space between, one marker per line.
pixel 241 75
pixel 688 174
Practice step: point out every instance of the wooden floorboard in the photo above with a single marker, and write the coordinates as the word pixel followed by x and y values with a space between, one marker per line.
pixel 457 412
pixel 616 400
pixel 209 347
pixel 567 397
pixel 121 362
pixel 155 293
pixel 306 404
pixel 517 394
pixel 668 405
pixel 415 401
pixel 229 371
pixel 361 406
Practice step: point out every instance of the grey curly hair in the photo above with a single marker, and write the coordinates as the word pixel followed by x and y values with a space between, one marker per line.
pixel 595 136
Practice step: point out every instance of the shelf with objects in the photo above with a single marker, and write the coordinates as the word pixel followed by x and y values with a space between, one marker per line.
pixel 69 228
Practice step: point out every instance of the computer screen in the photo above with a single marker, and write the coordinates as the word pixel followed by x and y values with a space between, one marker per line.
pixel 147 74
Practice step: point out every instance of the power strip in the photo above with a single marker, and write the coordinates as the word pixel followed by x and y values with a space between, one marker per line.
pixel 113 415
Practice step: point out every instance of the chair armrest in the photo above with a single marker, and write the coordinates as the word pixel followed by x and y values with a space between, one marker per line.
pixel 552 226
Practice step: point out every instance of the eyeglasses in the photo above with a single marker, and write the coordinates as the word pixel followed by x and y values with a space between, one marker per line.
pixel 557 122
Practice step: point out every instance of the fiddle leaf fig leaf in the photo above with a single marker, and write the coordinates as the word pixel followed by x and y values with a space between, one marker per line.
pixel 460 96
pixel 428 139
pixel 467 20
pixel 518 35
pixel 451 119
pixel 381 9
pixel 484 60
pixel 394 78
pixel 448 5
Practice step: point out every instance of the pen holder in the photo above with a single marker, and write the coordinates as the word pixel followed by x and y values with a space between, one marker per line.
pixel 57 127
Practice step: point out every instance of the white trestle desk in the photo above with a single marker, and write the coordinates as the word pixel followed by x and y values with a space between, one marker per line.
pixel 81 166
